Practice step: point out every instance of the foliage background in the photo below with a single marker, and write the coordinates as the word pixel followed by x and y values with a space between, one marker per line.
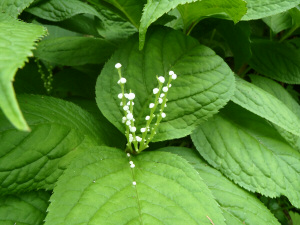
pixel 228 151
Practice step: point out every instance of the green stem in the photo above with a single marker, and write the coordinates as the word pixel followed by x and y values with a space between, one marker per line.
pixel 288 34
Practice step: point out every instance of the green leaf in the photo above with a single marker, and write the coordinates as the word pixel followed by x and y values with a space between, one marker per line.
pixel 237 204
pixel 279 22
pixel 56 10
pixel 279 61
pixel 30 160
pixel 74 51
pixel 24 209
pixel 264 104
pixel 193 12
pixel 17 39
pixel 131 10
pixel 245 148
pixel 295 217
pixel 259 9
pixel 98 188
pixel 284 96
pixel 204 85
pixel 237 37
pixel 14 7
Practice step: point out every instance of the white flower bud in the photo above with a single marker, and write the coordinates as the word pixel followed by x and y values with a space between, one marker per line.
pixel 138 139
pixel 118 65
pixel 161 79
pixel 165 89
pixel 131 162
pixel 130 138
pixel 131 96
pixel 132 165
pixel 126 108
pixel 170 85
pixel 174 76
pixel 128 154
pixel 123 119
pixel 160 100
pixel 120 96
pixel 163 115
pixel 155 91
pixel 128 122
pixel 132 129
pixel 122 80
pixel 133 183
pixel 151 105
pixel 171 73
pixel 129 116
pixel 162 95
pixel 143 130
pixel 147 118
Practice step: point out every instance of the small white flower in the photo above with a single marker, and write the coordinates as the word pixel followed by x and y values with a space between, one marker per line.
pixel 131 96
pixel 132 165
pixel 120 96
pixel 130 138
pixel 170 85
pixel 163 115
pixel 151 105
pixel 130 162
pixel 123 119
pixel 165 105
pixel 143 130
pixel 129 116
pixel 138 139
pixel 128 103
pixel 162 95
pixel 147 118
pixel 126 95
pixel 160 100
pixel 174 76
pixel 126 108
pixel 165 89
pixel 161 79
pixel 122 80
pixel 155 91
pixel 128 122
pixel 133 183
pixel 132 129
pixel 121 103
pixel 118 65
pixel 171 73
pixel 128 154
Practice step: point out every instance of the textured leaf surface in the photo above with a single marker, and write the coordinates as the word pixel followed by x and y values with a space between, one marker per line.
pixel 24 209
pixel 279 61
pixel 16 42
pixel 30 160
pixel 153 10
pixel 74 51
pixel 258 9
pixel 238 205
pixel 204 84
pixel 279 22
pixel 265 105
pixel 249 151
pixel 14 7
pixel 283 95
pixel 98 189
pixel 193 12
pixel 56 10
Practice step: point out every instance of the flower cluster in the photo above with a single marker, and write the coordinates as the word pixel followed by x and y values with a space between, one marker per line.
pixel 137 143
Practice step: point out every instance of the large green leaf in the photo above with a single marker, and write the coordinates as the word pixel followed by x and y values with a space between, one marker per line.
pixel 279 22
pixel 98 188
pixel 56 10
pixel 265 105
pixel 14 7
pixel 30 160
pixel 74 51
pixel 238 205
pixel 193 12
pixel 17 39
pixel 204 84
pixel 283 95
pixel 259 9
pixel 24 209
pixel 249 151
pixel 279 61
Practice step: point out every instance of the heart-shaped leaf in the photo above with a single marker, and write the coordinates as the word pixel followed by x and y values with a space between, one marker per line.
pixel 104 186
pixel 203 86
